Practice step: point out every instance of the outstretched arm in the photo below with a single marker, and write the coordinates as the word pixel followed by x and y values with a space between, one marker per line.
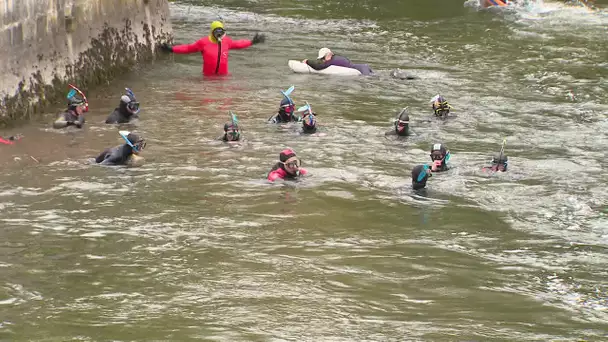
pixel 316 65
pixel 240 44
pixel 188 48
pixel 62 122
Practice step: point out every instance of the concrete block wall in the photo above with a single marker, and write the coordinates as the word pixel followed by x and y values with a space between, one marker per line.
pixel 46 44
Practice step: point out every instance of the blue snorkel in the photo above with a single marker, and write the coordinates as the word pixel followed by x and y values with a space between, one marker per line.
pixel 71 94
pixel 423 174
pixel 288 92
pixel 235 121
pixel 124 135
pixel 311 115
pixel 236 132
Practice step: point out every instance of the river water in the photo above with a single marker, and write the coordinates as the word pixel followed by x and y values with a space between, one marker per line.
pixel 195 245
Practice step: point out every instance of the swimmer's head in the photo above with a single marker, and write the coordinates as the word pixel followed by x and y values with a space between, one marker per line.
pixel 309 122
pixel 500 162
pixel 402 122
pixel 129 102
pixel 138 142
pixel 324 54
pixel 217 31
pixel 439 156
pixel 440 105
pixel 231 132
pixel 290 162
pixel 286 109
pixel 77 104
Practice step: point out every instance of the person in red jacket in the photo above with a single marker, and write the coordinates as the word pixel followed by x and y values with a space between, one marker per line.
pixel 214 48
pixel 288 167
pixel 10 140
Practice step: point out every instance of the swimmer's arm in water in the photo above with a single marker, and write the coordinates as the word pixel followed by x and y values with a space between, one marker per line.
pixel 316 65
pixel 62 122
pixel 102 156
pixel 79 122
pixel 113 118
pixel 115 156
pixel 189 48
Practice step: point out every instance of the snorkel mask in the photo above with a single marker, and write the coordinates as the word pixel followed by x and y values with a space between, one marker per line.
pixel 294 164
pixel 439 157
pixel 132 104
pixel 219 33
pixel 500 162
pixel 139 143
pixel 287 106
pixel 402 122
pixel 309 120
pixel 74 100
pixel 231 130
pixel 290 162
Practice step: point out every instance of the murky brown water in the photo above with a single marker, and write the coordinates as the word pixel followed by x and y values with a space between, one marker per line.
pixel 195 244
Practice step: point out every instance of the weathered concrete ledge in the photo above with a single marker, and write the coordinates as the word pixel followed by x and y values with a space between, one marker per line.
pixel 49 43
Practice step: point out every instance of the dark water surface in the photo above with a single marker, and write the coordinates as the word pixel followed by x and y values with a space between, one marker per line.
pixel 196 245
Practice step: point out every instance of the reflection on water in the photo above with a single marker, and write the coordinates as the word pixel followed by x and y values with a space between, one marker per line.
pixel 196 245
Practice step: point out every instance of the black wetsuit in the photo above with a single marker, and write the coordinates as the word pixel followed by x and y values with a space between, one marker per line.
pixel 309 129
pixel 417 185
pixel 283 117
pixel 118 155
pixel 404 133
pixel 402 115
pixel 69 118
pixel 121 115
pixel 341 61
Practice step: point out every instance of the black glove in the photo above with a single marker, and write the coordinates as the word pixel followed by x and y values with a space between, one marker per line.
pixel 166 47
pixel 258 38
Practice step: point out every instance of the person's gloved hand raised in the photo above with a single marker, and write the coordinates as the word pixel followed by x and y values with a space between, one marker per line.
pixel 166 47
pixel 258 38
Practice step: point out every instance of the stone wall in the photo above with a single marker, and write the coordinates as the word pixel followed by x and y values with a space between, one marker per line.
pixel 46 44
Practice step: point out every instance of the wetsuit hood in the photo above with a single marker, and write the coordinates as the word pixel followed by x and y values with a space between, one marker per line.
pixel 215 25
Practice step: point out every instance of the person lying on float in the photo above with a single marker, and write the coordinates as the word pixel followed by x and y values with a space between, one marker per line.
pixel 326 58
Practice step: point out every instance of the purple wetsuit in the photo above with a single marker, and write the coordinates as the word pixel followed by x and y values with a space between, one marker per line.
pixel 342 62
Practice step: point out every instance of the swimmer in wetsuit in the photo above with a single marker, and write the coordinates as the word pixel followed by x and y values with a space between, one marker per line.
pixel 326 58
pixel 499 163
pixel 401 123
pixel 288 167
pixel 286 113
pixel 74 115
pixel 125 154
pixel 439 156
pixel 231 130
pixel 441 107
pixel 309 119
pixel 420 175
pixel 127 109
pixel 10 140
